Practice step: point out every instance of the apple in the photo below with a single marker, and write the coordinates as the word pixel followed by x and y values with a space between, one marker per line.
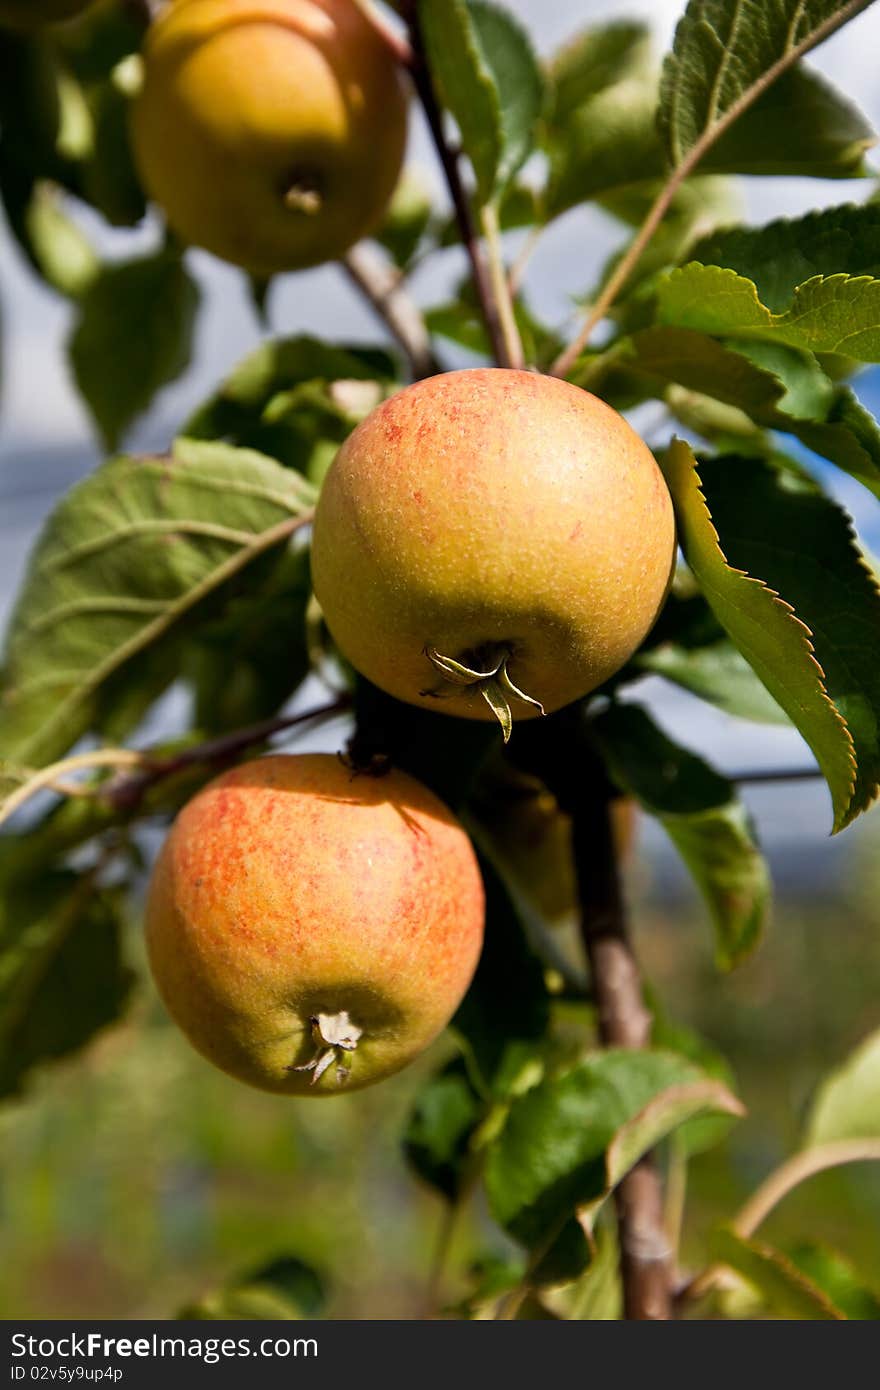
pixel 311 931
pixel 492 543
pixel 271 132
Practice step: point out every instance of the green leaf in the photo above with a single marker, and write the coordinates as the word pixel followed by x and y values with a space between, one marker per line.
pixel 487 76
pixel 245 664
pixel 296 400
pixel 701 202
pixel 704 1131
pixel 284 1289
pixel 784 529
pixel 786 1290
pixel 25 857
pixel 62 975
pixel 133 336
pixel 461 321
pixel 31 102
pixel 717 673
pixel 598 58
pixel 99 39
pixel 438 1136
pixel 766 630
pixel 109 177
pixel 568 1140
pixel 784 254
pixel 600 133
pixel 726 53
pixel 603 141
pixel 54 244
pixel 673 1108
pixel 847 1104
pixel 776 386
pixel 841 1283
pixel 801 127
pixel 837 313
pixel 124 557
pixel 407 218
pixel 596 1297
pixel 703 817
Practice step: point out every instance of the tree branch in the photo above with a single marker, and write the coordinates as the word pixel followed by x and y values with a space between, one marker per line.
pixel 384 291
pixel 783 1180
pixel 581 786
pixel 786 774
pixel 645 1255
pixel 127 793
pixel 501 287
pixel 460 200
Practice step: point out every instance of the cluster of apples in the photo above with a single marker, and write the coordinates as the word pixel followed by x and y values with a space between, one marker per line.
pixel 488 543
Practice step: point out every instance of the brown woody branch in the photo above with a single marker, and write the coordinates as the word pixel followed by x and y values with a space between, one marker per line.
pixel 645 1254
pixel 560 752
pixel 125 794
pixel 771 774
pixel 461 202
pixel 383 289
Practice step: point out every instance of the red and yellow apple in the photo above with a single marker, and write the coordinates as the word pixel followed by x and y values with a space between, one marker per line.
pixel 312 931
pixel 492 542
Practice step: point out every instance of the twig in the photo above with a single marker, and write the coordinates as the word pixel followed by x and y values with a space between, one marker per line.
pixel 561 753
pixel 501 287
pixel 773 1189
pixel 520 265
pixel 127 793
pixel 384 291
pixel 645 1254
pixel 786 774
pixel 625 266
pixel 795 1171
pixel 566 359
pixel 46 777
pixel 461 202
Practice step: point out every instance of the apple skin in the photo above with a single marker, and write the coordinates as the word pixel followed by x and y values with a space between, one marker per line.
pixel 488 510
pixel 33 14
pixel 289 888
pixel 242 99
pixel 529 837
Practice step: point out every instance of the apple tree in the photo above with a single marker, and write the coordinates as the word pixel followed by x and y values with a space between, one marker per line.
pixel 273 137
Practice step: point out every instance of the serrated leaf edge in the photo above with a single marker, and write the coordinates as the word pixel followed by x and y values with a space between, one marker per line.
pixel 844 817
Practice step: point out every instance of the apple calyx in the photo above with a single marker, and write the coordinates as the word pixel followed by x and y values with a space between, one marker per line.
pixel 303 194
pixel 333 1034
pixel 494 684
